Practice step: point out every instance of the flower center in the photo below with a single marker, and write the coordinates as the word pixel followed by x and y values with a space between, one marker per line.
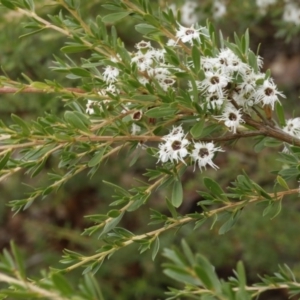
pixel 137 115
pixel 213 98
pixel 203 152
pixel 168 81
pixel 269 91
pixel 215 80
pixel 232 117
pixel 176 145
pixel 223 62
pixel 189 31
pixel 143 45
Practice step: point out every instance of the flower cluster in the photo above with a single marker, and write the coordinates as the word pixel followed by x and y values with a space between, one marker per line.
pixel 264 4
pixel 291 13
pixel 187 12
pixel 110 76
pixel 177 147
pixel 230 86
pixel 152 66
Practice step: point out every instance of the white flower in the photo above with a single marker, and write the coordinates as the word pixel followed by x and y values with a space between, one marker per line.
pixel 135 129
pixel 89 107
pixel 110 74
pixel 267 93
pixel 263 4
pixel 165 83
pixel 214 101
pixel 112 89
pixel 158 54
pixel 249 82
pixel 187 35
pixel 143 61
pixel 219 9
pixel 143 45
pixel 231 117
pixel 214 82
pixel 203 154
pixel 171 43
pixel 229 62
pixel 209 63
pixel 174 147
pixel 291 13
pixel 243 97
pixel 188 15
pixel 176 131
pixel 160 73
pixel 293 127
pixel 90 104
pixel 143 80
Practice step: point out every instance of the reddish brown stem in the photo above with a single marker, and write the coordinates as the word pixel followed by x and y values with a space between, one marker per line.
pixel 12 90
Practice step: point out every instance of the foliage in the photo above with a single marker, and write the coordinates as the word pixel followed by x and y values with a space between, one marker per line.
pixel 180 99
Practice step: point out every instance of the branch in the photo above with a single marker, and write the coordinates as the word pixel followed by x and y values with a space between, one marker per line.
pixel 31 287
pixel 271 131
pixel 176 223
pixel 27 90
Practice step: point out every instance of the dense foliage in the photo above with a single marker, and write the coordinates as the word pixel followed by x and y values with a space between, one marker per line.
pixel 177 112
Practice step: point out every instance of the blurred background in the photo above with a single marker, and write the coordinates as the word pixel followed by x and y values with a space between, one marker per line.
pixel 51 225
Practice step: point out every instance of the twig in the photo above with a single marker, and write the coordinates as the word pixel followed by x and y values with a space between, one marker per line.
pixel 31 287
pixel 27 90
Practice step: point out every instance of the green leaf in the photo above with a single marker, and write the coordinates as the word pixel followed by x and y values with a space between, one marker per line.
pixel 252 60
pixel 114 213
pixel 171 209
pixel 206 273
pixel 207 130
pixel 114 17
pixel 97 158
pixel 21 123
pixel 61 284
pixel 280 114
pixel 4 160
pixel 214 188
pixel 40 85
pixel 111 224
pixel 247 41
pixel 74 48
pixel 187 252
pixel 18 259
pixel 267 74
pixel 279 179
pixel 145 28
pixel 196 58
pixel 75 120
pixel 32 32
pixel 29 4
pixel 177 193
pixel 273 209
pixel 8 4
pixel 38 168
pixel 241 274
pixel 149 98
pixel 118 189
pixel 229 223
pixel 80 72
pixel 197 129
pixel 158 112
pixel 155 248
pixel 181 275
